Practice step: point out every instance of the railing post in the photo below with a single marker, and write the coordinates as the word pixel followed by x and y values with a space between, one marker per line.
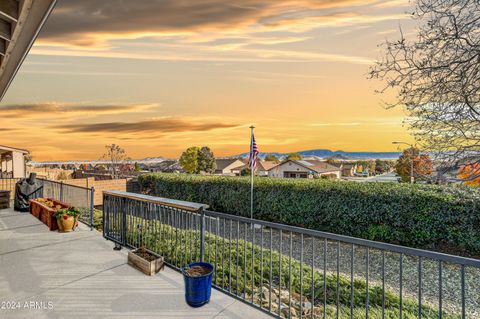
pixel 104 220
pixel 61 191
pixel 92 206
pixel 124 221
pixel 202 234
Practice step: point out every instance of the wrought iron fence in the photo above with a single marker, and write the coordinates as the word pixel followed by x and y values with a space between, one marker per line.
pixel 292 272
pixel 77 196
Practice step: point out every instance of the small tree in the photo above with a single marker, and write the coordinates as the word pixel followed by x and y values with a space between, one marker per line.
pixel 470 170
pixel 421 163
pixel 206 161
pixel 189 160
pixel 137 167
pixel 272 158
pixel 115 155
pixel 246 172
pixel 294 157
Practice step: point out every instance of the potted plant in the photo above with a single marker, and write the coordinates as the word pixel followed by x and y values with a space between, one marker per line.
pixel 67 219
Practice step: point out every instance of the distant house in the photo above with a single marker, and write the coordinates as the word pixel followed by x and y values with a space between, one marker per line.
pixel 349 169
pixel 69 166
pixel 228 166
pixel 304 169
pixel 262 167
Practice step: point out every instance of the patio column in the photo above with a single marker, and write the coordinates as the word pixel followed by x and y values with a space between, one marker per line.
pixel 18 165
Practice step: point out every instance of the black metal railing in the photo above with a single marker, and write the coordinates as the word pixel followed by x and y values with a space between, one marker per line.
pixel 292 272
pixel 80 197
pixel 77 196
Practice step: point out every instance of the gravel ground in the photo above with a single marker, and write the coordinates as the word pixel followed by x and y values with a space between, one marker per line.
pixel 451 285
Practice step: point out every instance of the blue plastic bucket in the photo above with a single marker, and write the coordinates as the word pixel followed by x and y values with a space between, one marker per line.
pixel 198 289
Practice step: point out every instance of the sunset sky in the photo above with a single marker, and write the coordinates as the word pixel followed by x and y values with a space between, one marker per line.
pixel 159 76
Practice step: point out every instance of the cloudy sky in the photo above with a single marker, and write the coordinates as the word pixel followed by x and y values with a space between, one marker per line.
pixel 158 76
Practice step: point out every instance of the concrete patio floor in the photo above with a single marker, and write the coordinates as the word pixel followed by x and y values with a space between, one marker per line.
pixel 46 274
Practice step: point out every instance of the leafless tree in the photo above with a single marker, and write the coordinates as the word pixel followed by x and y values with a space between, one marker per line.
pixel 436 77
pixel 116 156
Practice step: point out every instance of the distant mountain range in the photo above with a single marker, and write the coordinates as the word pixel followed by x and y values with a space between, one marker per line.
pixel 318 154
pixel 323 154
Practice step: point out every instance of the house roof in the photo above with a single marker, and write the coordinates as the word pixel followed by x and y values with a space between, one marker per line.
pixel 315 165
pixel 261 165
pixel 20 24
pixel 267 165
pixel 319 166
pixel 223 163
pixel 4 148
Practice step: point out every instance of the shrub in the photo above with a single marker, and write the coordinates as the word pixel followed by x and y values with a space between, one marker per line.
pixel 423 216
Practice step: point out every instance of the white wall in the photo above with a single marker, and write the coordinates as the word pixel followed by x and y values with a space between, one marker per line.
pixel 278 170
pixel 228 170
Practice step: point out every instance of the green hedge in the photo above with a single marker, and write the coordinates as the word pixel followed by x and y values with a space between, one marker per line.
pixel 424 216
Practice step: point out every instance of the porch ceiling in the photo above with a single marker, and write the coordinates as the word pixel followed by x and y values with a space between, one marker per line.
pixel 20 23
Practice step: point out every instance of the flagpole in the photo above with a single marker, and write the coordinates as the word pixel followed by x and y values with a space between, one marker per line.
pixel 251 172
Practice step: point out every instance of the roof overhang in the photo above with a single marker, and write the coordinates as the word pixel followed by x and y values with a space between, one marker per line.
pixel 4 149
pixel 20 24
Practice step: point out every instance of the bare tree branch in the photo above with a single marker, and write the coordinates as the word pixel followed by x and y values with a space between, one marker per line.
pixel 436 78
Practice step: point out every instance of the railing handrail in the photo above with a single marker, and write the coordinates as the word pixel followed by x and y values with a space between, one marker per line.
pixel 188 206
pixel 62 182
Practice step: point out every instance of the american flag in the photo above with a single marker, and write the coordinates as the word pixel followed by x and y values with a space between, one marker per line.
pixel 253 154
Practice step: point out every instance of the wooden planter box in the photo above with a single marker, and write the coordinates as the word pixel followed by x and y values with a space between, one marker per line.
pixel 4 199
pixel 45 213
pixel 147 267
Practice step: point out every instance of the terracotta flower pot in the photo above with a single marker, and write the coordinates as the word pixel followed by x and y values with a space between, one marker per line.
pixel 66 223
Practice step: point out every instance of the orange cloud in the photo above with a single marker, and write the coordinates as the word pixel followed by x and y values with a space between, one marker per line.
pixel 92 23
pixel 47 109
pixel 165 125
